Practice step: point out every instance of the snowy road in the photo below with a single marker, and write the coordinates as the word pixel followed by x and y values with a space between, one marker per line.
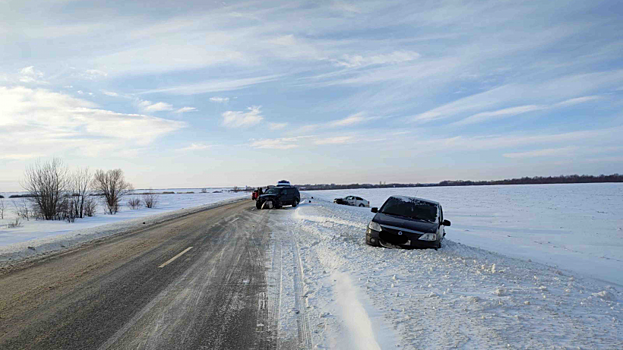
pixel 297 278
pixel 193 283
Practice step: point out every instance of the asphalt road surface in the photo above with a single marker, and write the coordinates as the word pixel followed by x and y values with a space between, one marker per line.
pixel 197 282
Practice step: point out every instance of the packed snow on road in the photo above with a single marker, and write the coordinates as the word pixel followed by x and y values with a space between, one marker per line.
pixel 353 296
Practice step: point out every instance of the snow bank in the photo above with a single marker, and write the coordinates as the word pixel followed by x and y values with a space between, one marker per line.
pixel 574 227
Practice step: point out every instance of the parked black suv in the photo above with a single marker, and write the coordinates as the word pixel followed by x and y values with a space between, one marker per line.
pixel 279 196
pixel 407 222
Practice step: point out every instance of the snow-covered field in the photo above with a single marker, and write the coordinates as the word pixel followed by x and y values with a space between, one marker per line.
pixel 574 227
pixel 52 235
pixel 352 296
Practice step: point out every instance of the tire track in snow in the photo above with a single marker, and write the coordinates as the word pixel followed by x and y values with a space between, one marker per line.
pixel 302 321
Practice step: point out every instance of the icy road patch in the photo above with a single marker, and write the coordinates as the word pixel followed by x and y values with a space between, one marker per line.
pixel 352 296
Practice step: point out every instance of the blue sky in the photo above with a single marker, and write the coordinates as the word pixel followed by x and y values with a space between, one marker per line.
pixel 198 93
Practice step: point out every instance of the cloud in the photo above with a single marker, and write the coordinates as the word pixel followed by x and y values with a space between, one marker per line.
pixel 216 85
pixel 93 74
pixel 110 93
pixel 545 91
pixel 282 143
pixel 277 126
pixel 489 142
pixel 357 61
pixel 238 119
pixel 502 113
pixel 219 99
pixel 196 147
pixel 575 151
pixel 149 107
pixel 20 156
pixel 350 120
pixel 578 100
pixel 186 109
pixel 38 119
pixel 548 152
pixel 346 7
pixel 334 140
pixel 31 75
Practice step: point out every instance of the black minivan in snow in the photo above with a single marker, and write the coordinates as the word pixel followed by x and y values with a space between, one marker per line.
pixel 407 222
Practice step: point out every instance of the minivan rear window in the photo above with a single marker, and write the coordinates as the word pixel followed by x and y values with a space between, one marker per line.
pixel 410 208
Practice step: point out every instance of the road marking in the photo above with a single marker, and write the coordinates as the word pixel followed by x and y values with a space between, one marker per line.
pixel 175 257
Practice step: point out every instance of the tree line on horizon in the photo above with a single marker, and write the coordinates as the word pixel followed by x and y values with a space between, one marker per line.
pixel 536 180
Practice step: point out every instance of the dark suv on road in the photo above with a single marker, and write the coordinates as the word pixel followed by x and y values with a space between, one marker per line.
pixel 279 196
pixel 407 222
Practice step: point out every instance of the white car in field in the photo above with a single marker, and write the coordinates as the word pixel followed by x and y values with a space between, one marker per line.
pixel 353 201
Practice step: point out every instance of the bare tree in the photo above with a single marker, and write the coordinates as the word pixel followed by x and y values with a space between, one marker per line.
pixel 90 206
pixel 80 188
pixel 46 183
pixel 134 203
pixel 112 186
pixel 2 208
pixel 151 199
pixel 23 210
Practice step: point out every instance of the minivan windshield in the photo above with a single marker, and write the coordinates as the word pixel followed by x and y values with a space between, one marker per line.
pixel 410 208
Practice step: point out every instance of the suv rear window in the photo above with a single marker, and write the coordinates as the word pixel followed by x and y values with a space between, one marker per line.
pixel 413 209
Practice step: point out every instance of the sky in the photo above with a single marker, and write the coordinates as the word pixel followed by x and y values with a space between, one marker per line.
pixel 212 93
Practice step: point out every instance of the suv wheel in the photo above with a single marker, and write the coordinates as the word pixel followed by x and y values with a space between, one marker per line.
pixel 295 203
pixel 361 205
pixel 258 204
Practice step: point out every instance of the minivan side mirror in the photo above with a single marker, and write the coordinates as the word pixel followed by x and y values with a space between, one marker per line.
pixel 446 223
pixel 375 210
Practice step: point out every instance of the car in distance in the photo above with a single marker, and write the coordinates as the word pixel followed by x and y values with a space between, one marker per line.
pixel 276 197
pixel 407 222
pixel 352 200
